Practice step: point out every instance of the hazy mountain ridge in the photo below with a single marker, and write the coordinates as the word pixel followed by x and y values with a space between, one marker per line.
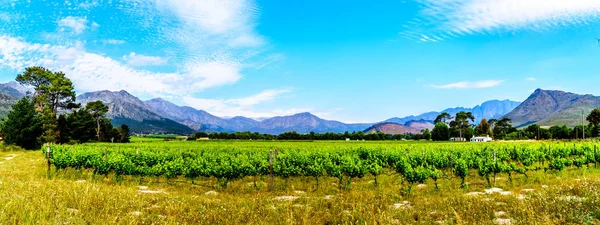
pixel 490 110
pixel 305 123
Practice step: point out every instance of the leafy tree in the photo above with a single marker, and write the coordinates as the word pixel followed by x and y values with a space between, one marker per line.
pixel 53 91
pixel 560 132
pixel 426 134
pixel 81 125
pixel 64 129
pixel 594 119
pixel 532 131
pixel 23 125
pixel 98 110
pixel 124 133
pixel 460 124
pixel 35 77
pixel 503 127
pixel 443 117
pixel 440 132
pixel 106 128
pixel 484 128
pixel 114 135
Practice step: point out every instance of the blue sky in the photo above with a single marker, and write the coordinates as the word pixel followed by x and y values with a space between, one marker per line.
pixel 345 60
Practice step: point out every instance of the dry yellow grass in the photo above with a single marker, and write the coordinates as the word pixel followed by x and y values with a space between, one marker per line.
pixel 28 196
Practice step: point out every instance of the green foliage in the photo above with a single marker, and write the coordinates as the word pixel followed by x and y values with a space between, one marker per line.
pixel 461 170
pixel 53 91
pixel 460 126
pixel 23 125
pixel 502 128
pixel 98 110
pixel 440 132
pixel 346 161
pixel 483 128
pixel 594 119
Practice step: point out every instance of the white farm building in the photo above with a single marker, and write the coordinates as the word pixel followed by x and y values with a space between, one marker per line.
pixel 481 139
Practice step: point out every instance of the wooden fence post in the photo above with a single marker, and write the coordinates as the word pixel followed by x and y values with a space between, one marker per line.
pixel 48 155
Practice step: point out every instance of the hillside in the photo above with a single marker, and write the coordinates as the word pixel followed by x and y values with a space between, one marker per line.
pixel 392 128
pixel 419 124
pixel 6 102
pixel 305 123
pixel 549 108
pixel 200 120
pixel 125 108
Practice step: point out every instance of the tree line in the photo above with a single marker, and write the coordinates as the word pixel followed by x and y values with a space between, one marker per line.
pixel 51 115
pixel 459 126
pixel 293 135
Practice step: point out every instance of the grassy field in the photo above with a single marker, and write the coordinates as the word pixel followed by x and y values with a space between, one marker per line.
pixel 29 195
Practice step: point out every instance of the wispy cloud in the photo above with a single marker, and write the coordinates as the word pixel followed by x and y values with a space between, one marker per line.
pixel 114 42
pixel 263 96
pixel 468 84
pixel 4 16
pixel 74 24
pixel 91 71
pixel 242 106
pixel 206 44
pixel 443 19
pixel 134 59
pixel 530 79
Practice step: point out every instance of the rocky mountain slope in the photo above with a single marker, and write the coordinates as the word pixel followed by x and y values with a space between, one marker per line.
pixel 549 108
pixel 125 108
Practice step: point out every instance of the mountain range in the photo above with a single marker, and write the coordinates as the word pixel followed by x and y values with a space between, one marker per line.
pixel 493 109
pixel 550 108
pixel 543 107
pixel 129 109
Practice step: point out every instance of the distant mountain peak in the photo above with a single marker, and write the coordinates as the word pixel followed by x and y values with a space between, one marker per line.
pixel 553 107
pixel 126 108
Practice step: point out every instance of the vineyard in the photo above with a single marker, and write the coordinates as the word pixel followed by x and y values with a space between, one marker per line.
pixel 415 162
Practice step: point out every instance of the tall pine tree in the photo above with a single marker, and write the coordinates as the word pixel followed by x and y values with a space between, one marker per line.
pixel 23 125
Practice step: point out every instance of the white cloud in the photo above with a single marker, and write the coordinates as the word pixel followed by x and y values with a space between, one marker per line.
pixel 210 74
pixel 246 40
pixel 92 72
pixel 207 25
pixel 241 106
pixel 206 44
pixel 441 19
pixel 4 16
pixel 88 4
pixel 215 16
pixel 469 84
pixel 134 59
pixel 263 96
pixel 530 79
pixel 74 24
pixel 114 42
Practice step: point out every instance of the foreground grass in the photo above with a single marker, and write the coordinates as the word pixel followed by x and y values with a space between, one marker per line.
pixel 28 196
